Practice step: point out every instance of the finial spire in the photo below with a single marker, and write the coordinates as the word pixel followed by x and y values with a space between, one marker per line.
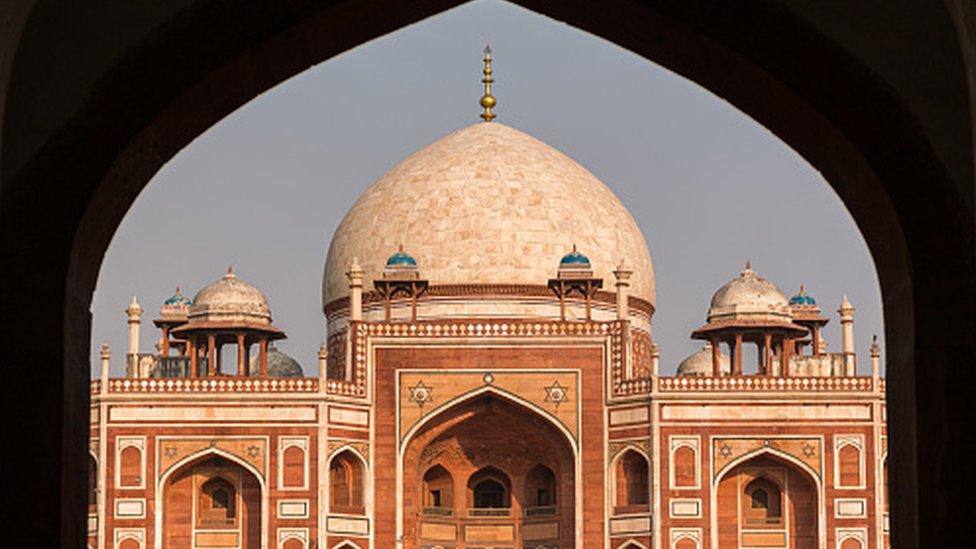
pixel 748 265
pixel 230 271
pixel 487 100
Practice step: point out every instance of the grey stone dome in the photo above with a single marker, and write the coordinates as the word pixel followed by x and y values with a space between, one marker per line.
pixel 230 299
pixel 749 296
pixel 279 364
pixel 699 363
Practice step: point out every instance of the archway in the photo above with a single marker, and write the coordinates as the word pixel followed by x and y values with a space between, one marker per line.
pixel 488 471
pixel 775 504
pixel 211 501
pixel 873 142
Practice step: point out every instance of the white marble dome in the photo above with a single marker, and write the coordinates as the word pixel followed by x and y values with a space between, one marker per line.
pixel 749 296
pixel 699 363
pixel 230 299
pixel 488 204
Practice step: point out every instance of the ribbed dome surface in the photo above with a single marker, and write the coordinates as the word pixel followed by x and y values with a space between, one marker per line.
pixel 488 204
pixel 230 298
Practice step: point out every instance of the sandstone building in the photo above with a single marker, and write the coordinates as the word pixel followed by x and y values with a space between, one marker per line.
pixel 489 380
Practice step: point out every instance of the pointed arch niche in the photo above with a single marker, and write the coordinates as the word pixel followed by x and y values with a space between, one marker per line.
pixel 209 500
pixel 493 464
pixel 777 502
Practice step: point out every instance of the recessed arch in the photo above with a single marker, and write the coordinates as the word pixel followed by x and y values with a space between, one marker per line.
pixel 493 391
pixel 347 483
pixel 814 508
pixel 200 457
pixel 490 445
pixel 612 465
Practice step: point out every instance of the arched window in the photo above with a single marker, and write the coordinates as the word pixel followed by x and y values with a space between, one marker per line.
pixel 130 466
pixel 490 489
pixel 849 465
pixel 540 487
pixel 346 478
pixel 438 490
pixel 489 494
pixel 633 493
pixel 763 505
pixel 293 467
pixel 217 504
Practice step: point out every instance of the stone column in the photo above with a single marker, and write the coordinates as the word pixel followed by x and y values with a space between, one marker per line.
pixel 263 356
pixel 241 367
pixel 767 354
pixel 623 274
pixel 716 357
pixel 355 276
pixel 846 312
pixel 164 347
pixel 211 355
pixel 737 356
pixel 191 344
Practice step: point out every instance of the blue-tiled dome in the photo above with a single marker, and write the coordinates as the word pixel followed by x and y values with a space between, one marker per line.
pixel 178 299
pixel 574 258
pixel 802 298
pixel 401 258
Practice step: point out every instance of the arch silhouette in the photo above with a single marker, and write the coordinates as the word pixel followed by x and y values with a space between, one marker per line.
pixel 871 157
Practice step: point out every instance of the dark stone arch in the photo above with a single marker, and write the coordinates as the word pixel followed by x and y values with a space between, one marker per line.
pixel 85 128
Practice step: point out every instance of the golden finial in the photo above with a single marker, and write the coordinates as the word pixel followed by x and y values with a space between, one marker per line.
pixel 487 100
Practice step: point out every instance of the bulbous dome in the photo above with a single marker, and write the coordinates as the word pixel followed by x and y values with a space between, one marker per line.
pixel 230 299
pixel 279 364
pixel 802 298
pixel 749 295
pixel 487 204
pixel 699 363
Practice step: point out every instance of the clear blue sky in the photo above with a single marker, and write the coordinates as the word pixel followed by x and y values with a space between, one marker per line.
pixel 265 188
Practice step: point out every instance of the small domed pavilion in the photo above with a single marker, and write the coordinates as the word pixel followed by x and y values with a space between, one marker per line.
pixel 750 309
pixel 228 311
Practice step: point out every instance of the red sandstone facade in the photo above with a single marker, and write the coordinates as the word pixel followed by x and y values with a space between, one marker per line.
pixel 405 449
pixel 502 398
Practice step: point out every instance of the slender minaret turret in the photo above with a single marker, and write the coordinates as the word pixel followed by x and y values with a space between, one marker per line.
pixel 323 366
pixel 355 276
pixel 134 314
pixel 846 312
pixel 875 358
pixel 106 355
pixel 623 274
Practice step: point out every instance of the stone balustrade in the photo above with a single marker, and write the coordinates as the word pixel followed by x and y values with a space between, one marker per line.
pixel 765 384
pixel 211 385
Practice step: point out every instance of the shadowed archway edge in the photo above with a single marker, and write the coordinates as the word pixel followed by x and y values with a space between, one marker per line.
pixel 60 207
